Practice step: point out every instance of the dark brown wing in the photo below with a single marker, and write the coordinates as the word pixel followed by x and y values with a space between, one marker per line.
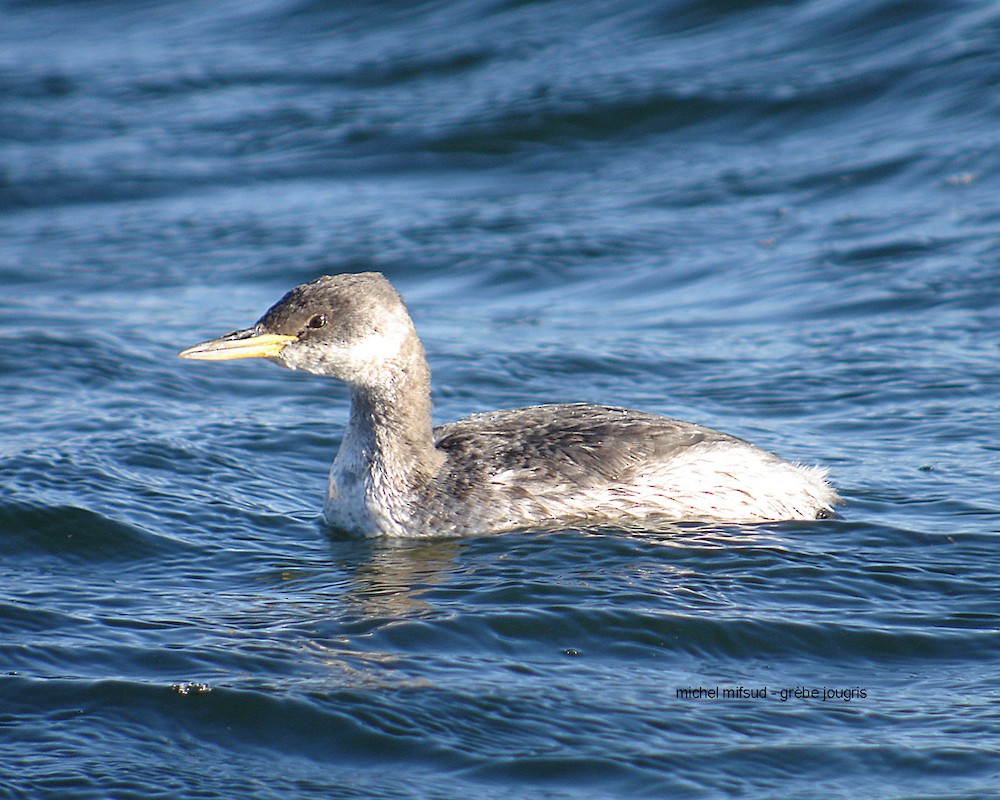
pixel 576 443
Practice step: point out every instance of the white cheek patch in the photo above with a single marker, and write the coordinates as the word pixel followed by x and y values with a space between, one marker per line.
pixel 381 346
pixel 368 356
pixel 363 360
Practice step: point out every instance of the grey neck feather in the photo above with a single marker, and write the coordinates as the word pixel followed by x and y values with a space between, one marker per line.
pixel 390 427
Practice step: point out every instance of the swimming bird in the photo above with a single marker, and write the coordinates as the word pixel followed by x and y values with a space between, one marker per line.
pixel 546 467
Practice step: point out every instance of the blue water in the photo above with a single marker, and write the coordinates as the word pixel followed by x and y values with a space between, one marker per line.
pixel 781 219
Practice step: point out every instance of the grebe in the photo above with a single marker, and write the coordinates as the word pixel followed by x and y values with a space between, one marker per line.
pixel 538 468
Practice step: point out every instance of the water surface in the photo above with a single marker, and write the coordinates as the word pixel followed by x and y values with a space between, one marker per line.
pixel 779 219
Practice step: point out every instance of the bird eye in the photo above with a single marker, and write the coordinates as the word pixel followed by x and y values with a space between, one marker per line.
pixel 316 321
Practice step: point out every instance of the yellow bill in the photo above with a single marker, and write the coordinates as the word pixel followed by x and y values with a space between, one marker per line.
pixel 239 344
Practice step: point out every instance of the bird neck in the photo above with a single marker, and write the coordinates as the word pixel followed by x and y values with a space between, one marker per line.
pixel 390 433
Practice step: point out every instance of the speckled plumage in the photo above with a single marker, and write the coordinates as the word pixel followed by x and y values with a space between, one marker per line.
pixel 542 467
